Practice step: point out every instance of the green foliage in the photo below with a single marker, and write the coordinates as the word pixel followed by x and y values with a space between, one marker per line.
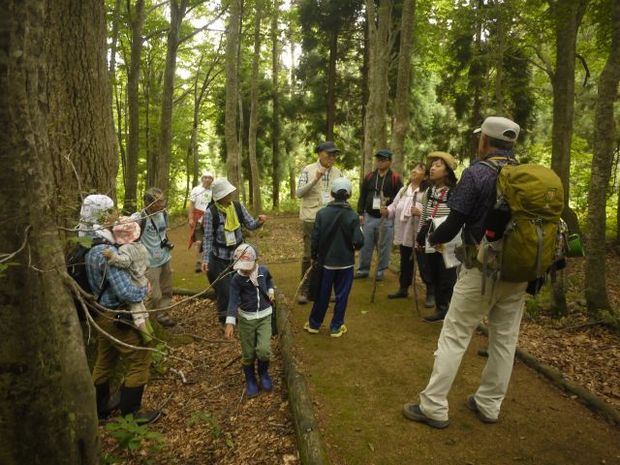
pixel 132 438
pixel 212 425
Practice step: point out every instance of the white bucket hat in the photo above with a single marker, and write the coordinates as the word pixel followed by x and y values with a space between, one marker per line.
pixel 207 174
pixel 245 257
pixel 93 208
pixel 221 188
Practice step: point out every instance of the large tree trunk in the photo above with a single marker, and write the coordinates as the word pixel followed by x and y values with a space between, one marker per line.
pixel 331 84
pixel 50 51
pixel 133 79
pixel 604 144
pixel 81 133
pixel 275 96
pixel 375 128
pixel 253 124
pixel 403 84
pixel 177 13
pixel 567 14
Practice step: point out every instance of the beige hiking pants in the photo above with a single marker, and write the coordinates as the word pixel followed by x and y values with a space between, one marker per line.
pixel 503 303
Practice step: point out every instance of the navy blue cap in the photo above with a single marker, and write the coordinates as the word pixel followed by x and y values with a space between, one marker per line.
pixel 327 146
pixel 384 153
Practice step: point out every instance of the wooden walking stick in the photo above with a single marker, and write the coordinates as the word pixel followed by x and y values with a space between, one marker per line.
pixel 379 241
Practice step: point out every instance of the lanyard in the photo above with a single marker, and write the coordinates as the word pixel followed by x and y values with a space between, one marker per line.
pixel 382 182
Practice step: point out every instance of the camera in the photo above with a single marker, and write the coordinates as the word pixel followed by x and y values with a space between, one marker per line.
pixel 166 244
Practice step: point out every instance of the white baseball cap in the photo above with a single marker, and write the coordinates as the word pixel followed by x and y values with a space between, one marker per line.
pixel 221 187
pixel 245 257
pixel 341 184
pixel 500 128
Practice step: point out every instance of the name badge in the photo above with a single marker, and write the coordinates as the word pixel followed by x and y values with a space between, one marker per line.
pixel 231 238
pixel 326 197
pixel 376 202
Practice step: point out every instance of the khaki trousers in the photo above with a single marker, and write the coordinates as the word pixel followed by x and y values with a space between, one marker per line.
pixel 161 287
pixel 255 337
pixel 503 303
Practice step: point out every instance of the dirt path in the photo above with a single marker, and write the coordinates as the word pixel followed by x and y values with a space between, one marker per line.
pixel 360 381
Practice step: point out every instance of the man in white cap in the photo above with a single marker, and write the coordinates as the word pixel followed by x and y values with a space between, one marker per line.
pixel 502 302
pixel 222 235
pixel 199 200
pixel 314 190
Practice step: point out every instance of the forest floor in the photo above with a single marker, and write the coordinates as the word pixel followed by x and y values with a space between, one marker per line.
pixel 360 381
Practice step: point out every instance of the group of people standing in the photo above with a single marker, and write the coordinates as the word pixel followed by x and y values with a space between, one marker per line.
pixel 388 212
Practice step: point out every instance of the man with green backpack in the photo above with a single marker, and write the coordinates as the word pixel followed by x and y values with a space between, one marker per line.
pixel 509 216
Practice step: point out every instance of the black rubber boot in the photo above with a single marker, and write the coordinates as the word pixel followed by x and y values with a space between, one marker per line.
pixel 399 294
pixel 106 404
pixel 263 375
pixel 131 400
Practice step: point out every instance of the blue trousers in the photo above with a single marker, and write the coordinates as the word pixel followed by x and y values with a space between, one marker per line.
pixel 341 281
pixel 371 238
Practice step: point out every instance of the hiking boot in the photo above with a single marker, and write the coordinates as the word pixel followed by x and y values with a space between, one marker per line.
pixel 360 275
pixel 310 329
pixel 473 406
pixel 430 301
pixel 338 332
pixel 165 320
pixel 399 294
pixel 302 299
pixel 263 375
pixel 439 315
pixel 412 412
pixel 251 388
pixel 144 417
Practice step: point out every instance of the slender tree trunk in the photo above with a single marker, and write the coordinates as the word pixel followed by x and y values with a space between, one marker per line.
pixel 499 60
pixel 240 176
pixel 83 159
pixel 232 90
pixel 365 166
pixel 275 96
pixel 604 142
pixel 403 84
pixel 133 80
pixel 114 40
pixel 253 124
pixel 177 13
pixel 375 130
pixel 331 84
pixel 47 406
pixel 567 14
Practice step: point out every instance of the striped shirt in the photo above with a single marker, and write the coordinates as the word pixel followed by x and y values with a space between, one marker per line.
pixel 438 197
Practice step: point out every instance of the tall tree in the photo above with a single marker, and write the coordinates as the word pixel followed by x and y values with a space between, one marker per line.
pixel 604 144
pixel 54 52
pixel 83 159
pixel 253 124
pixel 178 9
pixel 232 91
pixel 379 46
pixel 275 97
pixel 403 84
pixel 136 21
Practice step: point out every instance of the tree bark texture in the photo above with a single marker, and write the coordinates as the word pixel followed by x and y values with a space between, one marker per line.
pixel 275 96
pixel 604 145
pixel 403 85
pixel 81 134
pixel 375 128
pixel 47 406
pixel 253 124
pixel 133 80
pixel 567 15
pixel 177 13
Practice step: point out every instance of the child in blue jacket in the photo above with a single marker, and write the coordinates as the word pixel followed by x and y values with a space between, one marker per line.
pixel 250 306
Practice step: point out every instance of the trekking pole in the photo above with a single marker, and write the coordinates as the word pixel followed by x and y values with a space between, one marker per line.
pixel 379 241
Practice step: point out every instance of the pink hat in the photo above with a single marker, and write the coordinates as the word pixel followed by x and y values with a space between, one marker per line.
pixel 126 231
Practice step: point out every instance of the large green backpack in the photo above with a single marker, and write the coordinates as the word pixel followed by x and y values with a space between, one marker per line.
pixel 535 196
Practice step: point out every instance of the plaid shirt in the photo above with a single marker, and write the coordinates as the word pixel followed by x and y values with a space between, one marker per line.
pixel 119 289
pixel 208 245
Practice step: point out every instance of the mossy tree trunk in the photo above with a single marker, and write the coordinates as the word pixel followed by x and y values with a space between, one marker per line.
pixel 47 406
